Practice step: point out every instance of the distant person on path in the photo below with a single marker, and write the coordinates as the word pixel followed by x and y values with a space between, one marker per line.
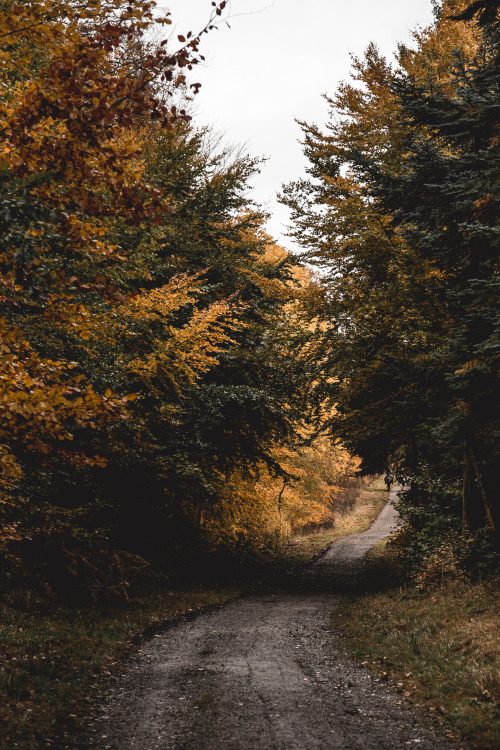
pixel 388 479
pixel 402 479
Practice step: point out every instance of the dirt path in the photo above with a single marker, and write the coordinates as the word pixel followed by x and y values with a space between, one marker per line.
pixel 266 672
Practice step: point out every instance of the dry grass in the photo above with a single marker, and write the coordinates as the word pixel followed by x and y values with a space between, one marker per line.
pixel 441 648
pixel 371 500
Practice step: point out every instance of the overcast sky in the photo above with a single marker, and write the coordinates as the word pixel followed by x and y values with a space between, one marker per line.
pixel 274 63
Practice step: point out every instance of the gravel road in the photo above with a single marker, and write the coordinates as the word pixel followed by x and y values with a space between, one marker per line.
pixel 266 672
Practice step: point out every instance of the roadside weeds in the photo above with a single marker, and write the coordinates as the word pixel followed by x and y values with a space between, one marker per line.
pixel 440 647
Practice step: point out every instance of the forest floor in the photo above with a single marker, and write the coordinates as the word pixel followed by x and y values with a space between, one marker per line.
pixel 439 646
pixel 266 671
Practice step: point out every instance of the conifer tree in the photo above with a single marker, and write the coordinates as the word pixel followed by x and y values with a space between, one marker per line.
pixel 446 202
pixel 383 316
pixel 401 213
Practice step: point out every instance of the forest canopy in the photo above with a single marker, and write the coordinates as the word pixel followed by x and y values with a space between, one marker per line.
pixel 172 381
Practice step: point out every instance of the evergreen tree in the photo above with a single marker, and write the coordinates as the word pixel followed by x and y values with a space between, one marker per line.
pixel 446 202
pixel 383 317
pixel 401 213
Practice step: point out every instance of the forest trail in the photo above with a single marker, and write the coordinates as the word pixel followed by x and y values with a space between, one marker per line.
pixel 265 672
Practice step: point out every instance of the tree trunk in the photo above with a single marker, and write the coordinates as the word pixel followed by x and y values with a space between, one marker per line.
pixel 487 504
pixel 468 515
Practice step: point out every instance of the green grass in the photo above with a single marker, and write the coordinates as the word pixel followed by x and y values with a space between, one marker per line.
pixel 53 663
pixel 440 647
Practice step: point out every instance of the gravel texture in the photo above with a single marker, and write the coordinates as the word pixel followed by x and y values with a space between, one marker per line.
pixel 265 672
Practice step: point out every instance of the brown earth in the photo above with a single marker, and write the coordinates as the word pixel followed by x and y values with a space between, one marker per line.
pixel 266 672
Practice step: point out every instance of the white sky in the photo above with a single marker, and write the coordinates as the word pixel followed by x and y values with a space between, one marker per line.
pixel 273 65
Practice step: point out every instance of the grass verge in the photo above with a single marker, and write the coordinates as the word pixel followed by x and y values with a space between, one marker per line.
pixel 440 647
pixel 369 504
pixel 53 663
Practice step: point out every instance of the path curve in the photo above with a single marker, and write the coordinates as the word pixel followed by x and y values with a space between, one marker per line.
pixel 266 672
pixel 339 568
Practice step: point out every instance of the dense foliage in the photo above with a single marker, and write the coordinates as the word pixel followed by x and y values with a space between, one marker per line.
pixel 401 214
pixel 171 383
pixel 154 362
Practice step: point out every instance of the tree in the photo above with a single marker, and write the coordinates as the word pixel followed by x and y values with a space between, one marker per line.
pixel 71 169
pixel 382 311
pixel 446 202
pixel 400 214
pixel 156 361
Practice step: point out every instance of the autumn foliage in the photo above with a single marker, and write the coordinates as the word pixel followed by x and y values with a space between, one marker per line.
pixel 154 366
pixel 170 380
